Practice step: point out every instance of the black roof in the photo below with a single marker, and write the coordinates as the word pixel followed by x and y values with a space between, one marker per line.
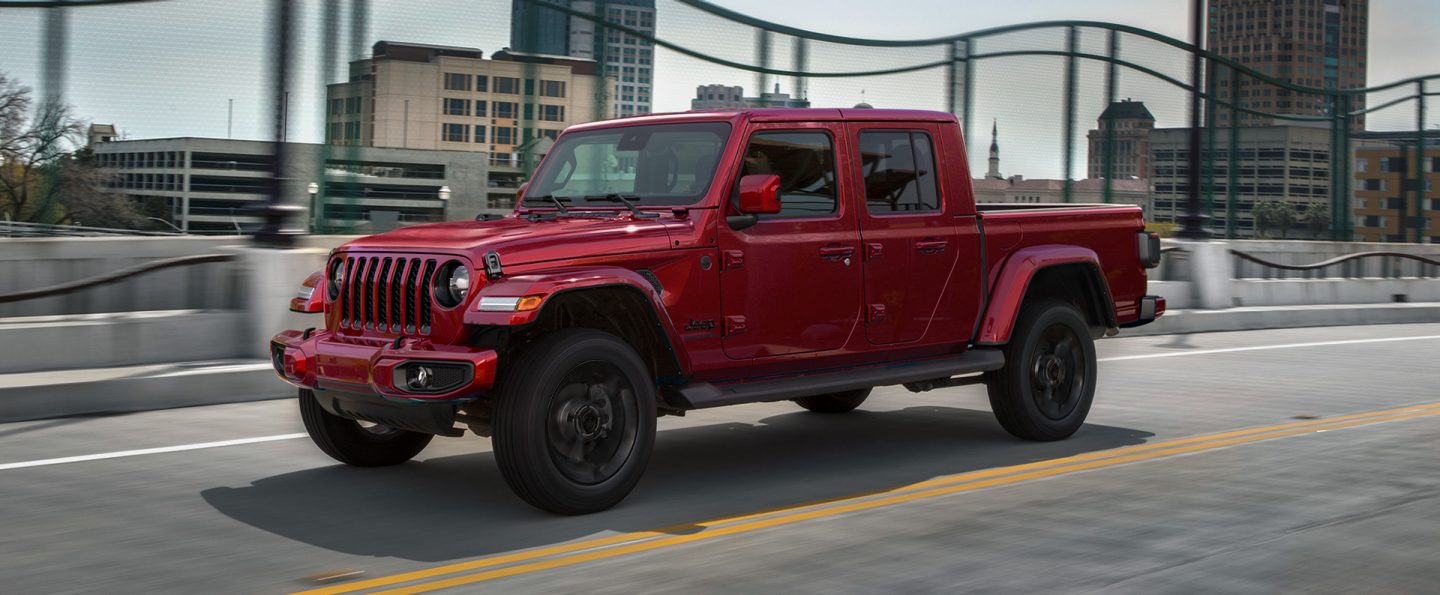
pixel 1127 110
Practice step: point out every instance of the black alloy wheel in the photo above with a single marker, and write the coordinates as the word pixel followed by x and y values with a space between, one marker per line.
pixel 594 420
pixel 574 420
pixel 1045 390
pixel 1058 373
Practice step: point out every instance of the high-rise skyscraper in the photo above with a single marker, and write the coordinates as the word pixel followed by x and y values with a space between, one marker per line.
pixel 1310 43
pixel 628 58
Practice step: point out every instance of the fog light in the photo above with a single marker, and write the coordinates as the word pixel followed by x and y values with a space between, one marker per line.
pixel 431 377
pixel 421 378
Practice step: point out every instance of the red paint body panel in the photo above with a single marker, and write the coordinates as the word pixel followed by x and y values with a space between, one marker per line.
pixel 1015 278
pixel 334 360
pixel 782 296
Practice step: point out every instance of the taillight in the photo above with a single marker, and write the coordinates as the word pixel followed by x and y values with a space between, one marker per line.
pixel 1149 249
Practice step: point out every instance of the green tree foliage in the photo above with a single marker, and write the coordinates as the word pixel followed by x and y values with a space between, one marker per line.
pixel 1317 218
pixel 1275 214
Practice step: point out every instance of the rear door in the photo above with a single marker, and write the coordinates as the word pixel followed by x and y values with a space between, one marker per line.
pixel 907 238
pixel 791 282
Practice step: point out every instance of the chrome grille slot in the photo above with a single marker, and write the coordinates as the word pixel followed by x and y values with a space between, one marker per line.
pixel 367 289
pixel 388 294
pixel 382 297
pixel 411 316
pixel 396 306
pixel 425 299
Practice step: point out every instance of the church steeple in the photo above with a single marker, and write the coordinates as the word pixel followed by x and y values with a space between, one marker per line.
pixel 994 172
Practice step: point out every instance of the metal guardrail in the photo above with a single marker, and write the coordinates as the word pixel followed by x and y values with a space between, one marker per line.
pixel 1391 265
pixel 119 275
pixel 24 229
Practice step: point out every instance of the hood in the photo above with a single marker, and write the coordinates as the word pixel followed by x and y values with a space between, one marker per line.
pixel 521 241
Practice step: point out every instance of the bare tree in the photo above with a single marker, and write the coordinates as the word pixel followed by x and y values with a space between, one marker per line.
pixel 44 176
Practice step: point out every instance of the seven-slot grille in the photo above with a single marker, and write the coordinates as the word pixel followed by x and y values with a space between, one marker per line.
pixel 387 294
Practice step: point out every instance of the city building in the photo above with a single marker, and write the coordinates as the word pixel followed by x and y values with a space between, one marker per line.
pixel 1388 204
pixel 417 96
pixel 215 185
pixel 1017 189
pixel 1312 43
pixel 1122 130
pixel 1290 163
pixel 718 97
pixel 630 59
pixel 996 188
pixel 102 133
pixel 727 97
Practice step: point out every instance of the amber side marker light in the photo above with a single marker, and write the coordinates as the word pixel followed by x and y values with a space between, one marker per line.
pixel 528 303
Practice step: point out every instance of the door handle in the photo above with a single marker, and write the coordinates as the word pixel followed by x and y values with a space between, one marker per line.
pixel 835 251
pixel 931 246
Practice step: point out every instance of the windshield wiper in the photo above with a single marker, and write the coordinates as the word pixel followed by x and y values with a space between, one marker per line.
pixel 628 201
pixel 558 201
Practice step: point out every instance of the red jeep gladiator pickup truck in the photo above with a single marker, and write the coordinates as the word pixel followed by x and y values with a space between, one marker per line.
pixel 665 263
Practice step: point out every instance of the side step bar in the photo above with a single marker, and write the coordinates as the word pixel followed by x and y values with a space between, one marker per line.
pixel 704 395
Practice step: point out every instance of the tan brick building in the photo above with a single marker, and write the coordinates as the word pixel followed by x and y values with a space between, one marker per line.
pixel 417 96
pixel 1385 193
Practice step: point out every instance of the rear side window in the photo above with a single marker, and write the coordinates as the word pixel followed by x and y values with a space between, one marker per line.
pixel 805 162
pixel 899 170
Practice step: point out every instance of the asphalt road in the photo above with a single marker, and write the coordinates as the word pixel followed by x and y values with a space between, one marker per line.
pixel 1288 460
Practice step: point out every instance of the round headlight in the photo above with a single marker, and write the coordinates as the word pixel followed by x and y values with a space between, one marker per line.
pixel 335 278
pixel 453 285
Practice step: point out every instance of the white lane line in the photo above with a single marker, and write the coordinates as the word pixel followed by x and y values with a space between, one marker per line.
pixel 147 451
pixel 204 445
pixel 1264 347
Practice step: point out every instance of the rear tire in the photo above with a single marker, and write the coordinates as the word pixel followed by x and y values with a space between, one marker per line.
pixel 1047 385
pixel 347 441
pixel 574 421
pixel 841 402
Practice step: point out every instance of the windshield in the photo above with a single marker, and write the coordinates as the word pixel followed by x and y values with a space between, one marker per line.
pixel 663 164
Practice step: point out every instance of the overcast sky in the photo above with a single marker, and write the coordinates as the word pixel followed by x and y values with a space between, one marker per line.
pixel 169 68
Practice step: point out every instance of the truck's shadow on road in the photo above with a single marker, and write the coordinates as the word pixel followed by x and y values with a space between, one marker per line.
pixel 458 507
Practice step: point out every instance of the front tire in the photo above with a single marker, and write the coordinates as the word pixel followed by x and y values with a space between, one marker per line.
pixel 574 421
pixel 1047 385
pixel 841 402
pixel 347 441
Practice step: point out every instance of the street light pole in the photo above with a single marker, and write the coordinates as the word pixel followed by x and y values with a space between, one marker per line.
pixel 1193 224
pixel 444 194
pixel 314 190
pixel 276 232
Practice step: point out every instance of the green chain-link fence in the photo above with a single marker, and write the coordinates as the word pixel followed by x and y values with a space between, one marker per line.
pixel 1042 86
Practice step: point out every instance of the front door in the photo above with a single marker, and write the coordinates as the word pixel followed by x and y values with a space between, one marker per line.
pixel 908 239
pixel 791 282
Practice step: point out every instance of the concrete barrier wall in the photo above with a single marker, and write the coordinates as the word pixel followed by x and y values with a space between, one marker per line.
pixel 33 263
pixel 1295 252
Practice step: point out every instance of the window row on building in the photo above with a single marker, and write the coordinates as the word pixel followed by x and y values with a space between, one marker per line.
pixel 505 85
pixel 341 106
pixel 1246 155
pixel 454 106
pixel 148 160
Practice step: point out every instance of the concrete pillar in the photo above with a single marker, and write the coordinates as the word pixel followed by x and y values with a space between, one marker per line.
pixel 1211 272
pixel 269 279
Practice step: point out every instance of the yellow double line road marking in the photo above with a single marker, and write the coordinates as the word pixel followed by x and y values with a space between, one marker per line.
pixel 628 543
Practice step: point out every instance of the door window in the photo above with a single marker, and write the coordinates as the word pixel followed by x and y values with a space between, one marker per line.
pixel 899 169
pixel 805 162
